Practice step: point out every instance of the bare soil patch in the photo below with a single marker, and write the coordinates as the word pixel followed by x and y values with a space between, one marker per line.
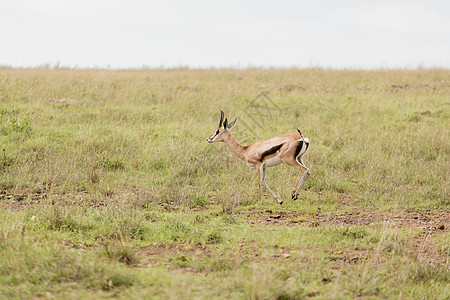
pixel 153 253
pixel 429 220
pixel 421 246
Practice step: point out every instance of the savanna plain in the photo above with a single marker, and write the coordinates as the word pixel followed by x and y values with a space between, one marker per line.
pixel 108 188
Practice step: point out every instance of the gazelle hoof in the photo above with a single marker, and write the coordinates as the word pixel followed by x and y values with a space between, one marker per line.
pixel 294 197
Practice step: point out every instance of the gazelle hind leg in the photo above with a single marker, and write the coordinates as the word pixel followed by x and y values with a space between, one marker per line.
pixel 302 180
pixel 294 193
pixel 303 176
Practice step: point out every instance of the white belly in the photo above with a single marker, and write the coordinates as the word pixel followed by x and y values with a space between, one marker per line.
pixel 276 160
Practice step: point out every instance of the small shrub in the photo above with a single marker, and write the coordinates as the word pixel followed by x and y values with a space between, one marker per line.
pixel 117 280
pixel 11 237
pixel 229 219
pixel 426 272
pixel 283 274
pixel 182 261
pixel 199 219
pixel 196 201
pixel 393 243
pixel 121 253
pixel 178 231
pixel 62 218
pixel 355 232
pixel 111 164
pixel 5 161
pixel 129 225
pixel 214 238
pixel 19 126
pixel 158 165
pixel 221 264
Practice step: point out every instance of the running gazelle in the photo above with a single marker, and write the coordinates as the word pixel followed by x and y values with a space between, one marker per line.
pixel 288 149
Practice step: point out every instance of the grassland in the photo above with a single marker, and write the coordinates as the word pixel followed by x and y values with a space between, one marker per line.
pixel 108 188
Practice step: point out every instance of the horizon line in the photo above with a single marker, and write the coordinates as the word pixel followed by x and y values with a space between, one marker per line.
pixel 57 66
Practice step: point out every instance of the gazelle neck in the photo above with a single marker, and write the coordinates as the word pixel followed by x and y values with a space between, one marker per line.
pixel 235 147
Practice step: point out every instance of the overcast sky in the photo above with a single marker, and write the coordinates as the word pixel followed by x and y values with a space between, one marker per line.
pixel 232 33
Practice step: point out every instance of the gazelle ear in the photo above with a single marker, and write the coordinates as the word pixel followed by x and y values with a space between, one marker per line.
pixel 225 123
pixel 231 124
pixel 221 118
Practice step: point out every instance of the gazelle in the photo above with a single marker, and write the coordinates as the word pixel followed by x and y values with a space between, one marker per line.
pixel 288 149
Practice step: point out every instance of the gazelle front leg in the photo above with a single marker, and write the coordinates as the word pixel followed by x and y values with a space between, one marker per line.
pixel 259 184
pixel 262 169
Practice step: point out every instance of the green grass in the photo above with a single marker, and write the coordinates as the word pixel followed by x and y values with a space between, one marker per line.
pixel 109 189
pixel 56 250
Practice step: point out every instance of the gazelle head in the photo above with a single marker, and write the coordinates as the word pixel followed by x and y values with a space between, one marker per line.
pixel 218 135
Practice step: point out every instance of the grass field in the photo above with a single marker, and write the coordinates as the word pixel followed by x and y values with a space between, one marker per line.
pixel 109 189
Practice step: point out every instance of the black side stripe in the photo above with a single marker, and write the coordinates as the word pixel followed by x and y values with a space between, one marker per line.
pixel 299 148
pixel 270 151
